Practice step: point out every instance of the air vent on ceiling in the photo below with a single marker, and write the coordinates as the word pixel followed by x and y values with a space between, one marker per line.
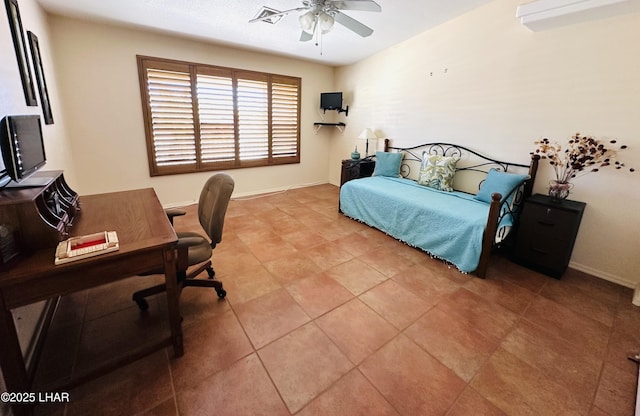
pixel 276 15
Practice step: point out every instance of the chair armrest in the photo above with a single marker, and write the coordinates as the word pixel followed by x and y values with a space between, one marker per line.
pixel 172 212
pixel 189 241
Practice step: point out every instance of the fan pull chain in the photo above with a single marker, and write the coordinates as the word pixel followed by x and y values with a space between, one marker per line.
pixel 318 35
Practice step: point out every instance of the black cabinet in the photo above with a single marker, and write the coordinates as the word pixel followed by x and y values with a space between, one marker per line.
pixel 356 169
pixel 547 234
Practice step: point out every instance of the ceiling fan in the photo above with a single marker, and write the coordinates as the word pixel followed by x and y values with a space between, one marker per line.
pixel 320 15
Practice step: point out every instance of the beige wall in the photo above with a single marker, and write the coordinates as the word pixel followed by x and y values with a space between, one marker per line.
pixel 485 81
pixel 101 95
pixel 12 97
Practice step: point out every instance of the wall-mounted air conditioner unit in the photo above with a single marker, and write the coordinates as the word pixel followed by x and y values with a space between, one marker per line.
pixel 548 14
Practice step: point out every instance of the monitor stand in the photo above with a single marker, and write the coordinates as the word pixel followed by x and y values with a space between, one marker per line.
pixel 31 182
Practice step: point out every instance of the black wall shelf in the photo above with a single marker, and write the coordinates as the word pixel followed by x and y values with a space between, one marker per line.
pixel 340 126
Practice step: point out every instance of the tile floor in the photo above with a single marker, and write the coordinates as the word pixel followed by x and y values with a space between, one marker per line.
pixel 326 316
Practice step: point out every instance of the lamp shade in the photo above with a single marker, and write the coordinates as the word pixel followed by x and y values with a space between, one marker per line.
pixel 326 22
pixel 308 22
pixel 367 134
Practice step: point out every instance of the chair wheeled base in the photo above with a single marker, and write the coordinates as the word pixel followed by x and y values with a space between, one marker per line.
pixel 183 281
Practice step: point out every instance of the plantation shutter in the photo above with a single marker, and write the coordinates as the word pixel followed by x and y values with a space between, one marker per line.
pixel 204 117
pixel 171 117
pixel 285 110
pixel 253 118
pixel 216 113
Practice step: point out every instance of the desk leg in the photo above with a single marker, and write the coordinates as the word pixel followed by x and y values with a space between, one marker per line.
pixel 14 370
pixel 173 300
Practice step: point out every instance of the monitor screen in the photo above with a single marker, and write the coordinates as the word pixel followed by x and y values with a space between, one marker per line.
pixel 22 145
pixel 331 100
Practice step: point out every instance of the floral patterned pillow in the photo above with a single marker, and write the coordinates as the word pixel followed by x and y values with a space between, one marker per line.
pixel 437 172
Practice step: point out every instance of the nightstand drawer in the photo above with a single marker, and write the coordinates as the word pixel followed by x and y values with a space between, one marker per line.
pixel 551 259
pixel 551 221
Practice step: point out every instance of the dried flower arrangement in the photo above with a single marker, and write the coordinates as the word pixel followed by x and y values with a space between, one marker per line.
pixel 584 154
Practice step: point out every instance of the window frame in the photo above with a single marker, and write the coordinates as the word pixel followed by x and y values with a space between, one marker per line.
pixel 291 142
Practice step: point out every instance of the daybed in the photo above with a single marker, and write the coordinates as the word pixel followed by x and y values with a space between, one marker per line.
pixel 452 202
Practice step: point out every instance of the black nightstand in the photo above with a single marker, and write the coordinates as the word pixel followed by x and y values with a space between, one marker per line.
pixel 356 169
pixel 547 234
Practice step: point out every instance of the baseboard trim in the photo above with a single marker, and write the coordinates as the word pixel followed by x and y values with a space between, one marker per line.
pixel 266 192
pixel 243 195
pixel 179 204
pixel 603 275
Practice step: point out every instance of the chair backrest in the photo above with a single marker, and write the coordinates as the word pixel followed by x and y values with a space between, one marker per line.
pixel 213 203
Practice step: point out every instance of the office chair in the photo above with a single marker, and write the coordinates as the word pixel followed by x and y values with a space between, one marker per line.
pixel 212 207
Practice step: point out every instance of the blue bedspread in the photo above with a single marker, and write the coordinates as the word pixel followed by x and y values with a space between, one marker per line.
pixel 448 225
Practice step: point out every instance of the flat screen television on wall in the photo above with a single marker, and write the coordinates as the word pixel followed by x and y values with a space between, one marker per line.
pixel 331 101
pixel 22 147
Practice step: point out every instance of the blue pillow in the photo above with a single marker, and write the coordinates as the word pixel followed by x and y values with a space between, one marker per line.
pixel 388 164
pixel 501 182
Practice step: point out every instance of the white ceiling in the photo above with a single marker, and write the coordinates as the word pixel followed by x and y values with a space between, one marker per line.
pixel 227 22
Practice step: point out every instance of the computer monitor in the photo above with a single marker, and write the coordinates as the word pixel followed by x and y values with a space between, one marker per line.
pixel 22 147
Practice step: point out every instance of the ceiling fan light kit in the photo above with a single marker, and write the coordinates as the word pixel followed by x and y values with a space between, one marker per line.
pixel 307 22
pixel 320 15
pixel 326 22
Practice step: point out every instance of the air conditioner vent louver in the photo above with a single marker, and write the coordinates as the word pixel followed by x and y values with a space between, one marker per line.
pixel 549 14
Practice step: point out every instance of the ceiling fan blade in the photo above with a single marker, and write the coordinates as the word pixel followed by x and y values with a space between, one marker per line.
pixel 266 16
pixel 361 5
pixel 305 37
pixel 352 24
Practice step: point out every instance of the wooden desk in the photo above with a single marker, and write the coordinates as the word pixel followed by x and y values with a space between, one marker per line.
pixel 147 242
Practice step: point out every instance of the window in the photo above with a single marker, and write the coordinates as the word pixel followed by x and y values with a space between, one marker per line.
pixel 202 117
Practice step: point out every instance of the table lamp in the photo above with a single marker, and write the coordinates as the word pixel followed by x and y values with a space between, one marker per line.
pixel 366 135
